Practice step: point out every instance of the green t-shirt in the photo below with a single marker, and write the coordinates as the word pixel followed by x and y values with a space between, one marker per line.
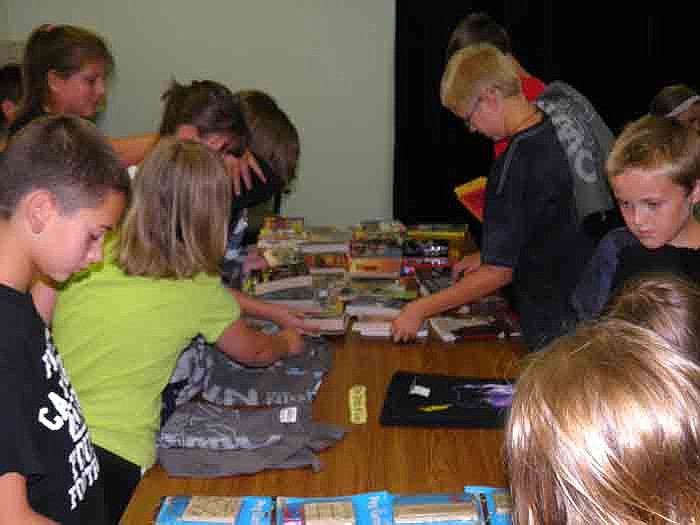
pixel 120 336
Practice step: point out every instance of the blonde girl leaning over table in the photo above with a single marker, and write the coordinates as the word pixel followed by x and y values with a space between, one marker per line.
pixel 605 429
pixel 122 324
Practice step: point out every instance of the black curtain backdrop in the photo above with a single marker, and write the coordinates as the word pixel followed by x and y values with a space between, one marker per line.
pixel 619 60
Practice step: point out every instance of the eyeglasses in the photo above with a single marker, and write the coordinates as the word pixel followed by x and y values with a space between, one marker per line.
pixel 468 118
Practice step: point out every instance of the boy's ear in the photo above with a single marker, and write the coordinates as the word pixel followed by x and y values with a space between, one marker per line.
pixel 695 192
pixel 9 109
pixel 38 208
pixel 53 81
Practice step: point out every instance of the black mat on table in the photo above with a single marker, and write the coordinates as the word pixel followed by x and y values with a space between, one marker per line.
pixel 432 400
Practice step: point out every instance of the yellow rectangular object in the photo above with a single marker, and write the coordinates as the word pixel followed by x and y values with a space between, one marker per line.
pixel 357 399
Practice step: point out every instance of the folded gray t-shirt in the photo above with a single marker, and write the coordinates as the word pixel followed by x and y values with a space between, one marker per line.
pixel 204 440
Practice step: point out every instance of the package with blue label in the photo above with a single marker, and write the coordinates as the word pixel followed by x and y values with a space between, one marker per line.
pixel 498 503
pixel 372 508
pixel 215 510
pixel 441 509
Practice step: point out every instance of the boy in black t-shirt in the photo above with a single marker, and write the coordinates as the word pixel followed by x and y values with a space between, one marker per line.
pixel 61 189
pixel 531 236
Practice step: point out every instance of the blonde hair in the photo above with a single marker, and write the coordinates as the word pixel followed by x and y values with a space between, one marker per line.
pixel 472 69
pixel 653 142
pixel 666 304
pixel 178 220
pixel 603 429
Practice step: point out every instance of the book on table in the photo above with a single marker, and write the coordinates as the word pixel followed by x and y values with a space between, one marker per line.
pixel 326 239
pixel 302 299
pixel 326 262
pixel 475 327
pixel 393 231
pixel 329 322
pixel 419 254
pixel 433 280
pixel 402 288
pixel 277 278
pixel 379 326
pixel 435 231
pixel 364 305
pixel 375 259
pixel 281 256
pixel 280 231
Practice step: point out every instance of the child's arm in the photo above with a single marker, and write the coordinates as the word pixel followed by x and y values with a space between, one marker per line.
pixel 14 505
pixel 278 314
pixel 482 281
pixel 132 150
pixel 252 347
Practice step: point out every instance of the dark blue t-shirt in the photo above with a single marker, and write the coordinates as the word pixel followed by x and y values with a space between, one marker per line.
pixel 530 226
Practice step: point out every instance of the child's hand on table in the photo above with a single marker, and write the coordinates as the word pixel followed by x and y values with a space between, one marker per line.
pixel 292 319
pixel 405 327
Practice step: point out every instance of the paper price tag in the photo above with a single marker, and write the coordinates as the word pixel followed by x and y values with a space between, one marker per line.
pixel 419 390
pixel 288 415
pixel 357 399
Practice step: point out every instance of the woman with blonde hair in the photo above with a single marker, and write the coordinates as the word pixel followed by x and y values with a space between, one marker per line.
pixel 605 429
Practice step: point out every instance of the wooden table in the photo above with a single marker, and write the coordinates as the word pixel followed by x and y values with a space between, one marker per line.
pixel 371 457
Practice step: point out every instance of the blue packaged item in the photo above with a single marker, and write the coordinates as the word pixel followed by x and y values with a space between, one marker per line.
pixel 441 509
pixel 215 510
pixel 371 508
pixel 498 503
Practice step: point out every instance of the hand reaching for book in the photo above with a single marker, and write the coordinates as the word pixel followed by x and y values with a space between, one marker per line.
pixel 295 320
pixel 469 263
pixel 405 327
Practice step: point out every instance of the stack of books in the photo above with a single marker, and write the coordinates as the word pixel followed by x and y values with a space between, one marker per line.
pixel 433 280
pixel 376 249
pixel 277 278
pixel 435 245
pixel 367 274
pixel 281 232
pixel 326 249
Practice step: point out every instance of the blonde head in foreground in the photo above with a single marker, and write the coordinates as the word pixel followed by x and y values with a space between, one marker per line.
pixel 604 430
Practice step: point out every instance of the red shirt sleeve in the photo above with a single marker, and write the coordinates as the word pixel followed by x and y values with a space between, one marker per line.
pixel 532 87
